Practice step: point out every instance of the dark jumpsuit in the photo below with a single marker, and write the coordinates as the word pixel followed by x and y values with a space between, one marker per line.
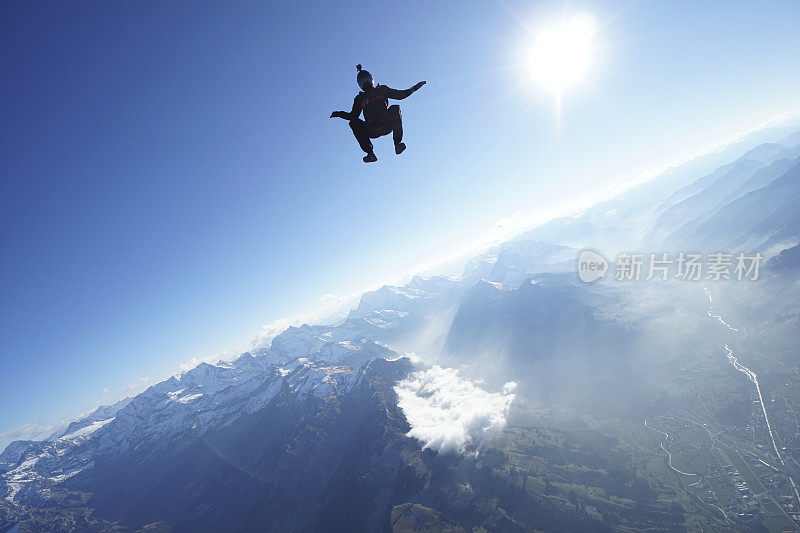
pixel 379 117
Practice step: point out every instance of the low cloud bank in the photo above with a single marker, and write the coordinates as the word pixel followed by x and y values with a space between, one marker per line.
pixel 448 412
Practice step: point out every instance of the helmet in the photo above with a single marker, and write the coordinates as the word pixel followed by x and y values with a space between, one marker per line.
pixel 364 78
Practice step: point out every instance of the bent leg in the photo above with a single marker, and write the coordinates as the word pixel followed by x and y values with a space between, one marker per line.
pixel 361 133
pixel 396 124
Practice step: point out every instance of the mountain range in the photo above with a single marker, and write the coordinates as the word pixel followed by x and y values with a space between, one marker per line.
pixel 485 401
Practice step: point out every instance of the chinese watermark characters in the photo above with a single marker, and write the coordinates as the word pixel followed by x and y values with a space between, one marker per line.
pixel 684 266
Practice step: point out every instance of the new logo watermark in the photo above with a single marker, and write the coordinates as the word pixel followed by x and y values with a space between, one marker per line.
pixel 591 266
pixel 686 266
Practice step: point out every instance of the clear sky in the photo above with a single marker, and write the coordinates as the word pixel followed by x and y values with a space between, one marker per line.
pixel 171 180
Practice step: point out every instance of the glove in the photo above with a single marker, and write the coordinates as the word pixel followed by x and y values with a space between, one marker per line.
pixel 416 86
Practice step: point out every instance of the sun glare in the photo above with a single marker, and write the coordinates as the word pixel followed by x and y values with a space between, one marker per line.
pixel 562 54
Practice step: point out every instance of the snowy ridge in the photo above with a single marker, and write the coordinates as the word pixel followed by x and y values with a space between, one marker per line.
pixel 407 298
pixel 85 431
pixel 512 263
pixel 206 397
pixel 104 412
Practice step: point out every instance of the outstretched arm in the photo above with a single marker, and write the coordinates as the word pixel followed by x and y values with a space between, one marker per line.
pixel 396 94
pixel 352 115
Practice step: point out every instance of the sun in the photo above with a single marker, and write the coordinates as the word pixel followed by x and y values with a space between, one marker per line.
pixel 561 55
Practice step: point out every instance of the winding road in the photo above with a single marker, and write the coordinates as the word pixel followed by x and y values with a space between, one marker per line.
pixel 669 453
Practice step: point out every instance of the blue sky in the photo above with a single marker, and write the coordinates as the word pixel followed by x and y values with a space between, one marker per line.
pixel 171 180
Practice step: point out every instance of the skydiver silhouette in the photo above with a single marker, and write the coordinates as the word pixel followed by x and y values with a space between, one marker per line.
pixel 379 117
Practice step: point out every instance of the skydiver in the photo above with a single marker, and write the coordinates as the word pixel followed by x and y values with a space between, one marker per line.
pixel 379 117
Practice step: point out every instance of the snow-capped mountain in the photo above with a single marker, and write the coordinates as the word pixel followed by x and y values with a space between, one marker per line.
pixel 414 297
pixel 512 262
pixel 172 415
pixel 308 434
pixel 102 413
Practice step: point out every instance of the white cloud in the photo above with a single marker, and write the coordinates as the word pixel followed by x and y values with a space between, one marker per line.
pixel 331 309
pixel 193 362
pixel 30 431
pixel 219 357
pixel 448 412
pixel 136 386
pixel 273 329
